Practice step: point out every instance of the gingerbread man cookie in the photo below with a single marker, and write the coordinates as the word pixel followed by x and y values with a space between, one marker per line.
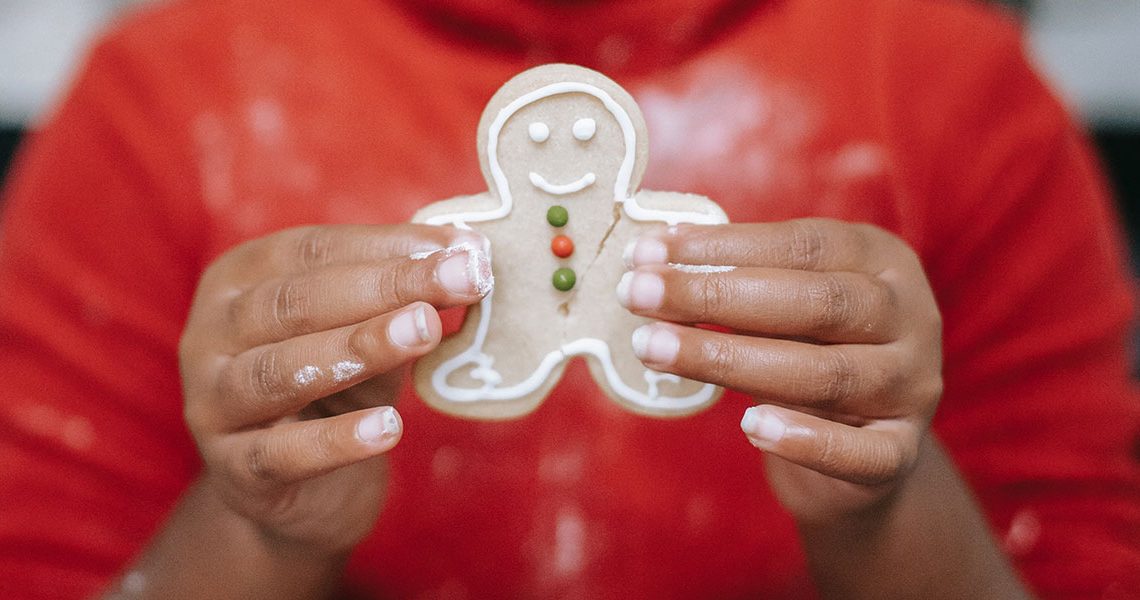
pixel 563 149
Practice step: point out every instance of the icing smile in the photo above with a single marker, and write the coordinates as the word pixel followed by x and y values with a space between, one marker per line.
pixel 567 188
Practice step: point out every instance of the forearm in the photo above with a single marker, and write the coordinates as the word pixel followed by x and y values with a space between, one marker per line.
pixel 207 551
pixel 929 541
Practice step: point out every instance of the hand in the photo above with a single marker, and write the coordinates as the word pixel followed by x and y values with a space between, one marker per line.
pixel 832 328
pixel 294 343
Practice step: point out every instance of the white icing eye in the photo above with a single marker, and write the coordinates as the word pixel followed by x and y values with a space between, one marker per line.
pixel 538 132
pixel 584 129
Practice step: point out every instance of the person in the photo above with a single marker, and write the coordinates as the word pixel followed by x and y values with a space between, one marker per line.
pixel 925 335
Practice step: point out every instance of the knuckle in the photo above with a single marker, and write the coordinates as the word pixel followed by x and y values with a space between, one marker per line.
pixel 808 244
pixel 325 445
pixel 721 358
pixel 313 248
pixel 229 385
pixel 886 462
pixel 258 465
pixel 290 308
pixel 395 283
pixel 828 454
pixel 860 240
pixel 365 342
pixel 928 389
pixel 835 305
pixel 714 295
pixel 892 381
pixel 715 248
pixel 839 377
pixel 237 316
pixel 195 417
pixel 264 378
pixel 882 298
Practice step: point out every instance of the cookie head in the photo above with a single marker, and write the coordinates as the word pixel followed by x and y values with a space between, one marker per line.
pixel 560 132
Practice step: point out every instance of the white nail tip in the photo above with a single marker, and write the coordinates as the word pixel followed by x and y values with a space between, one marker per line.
pixel 763 425
pixel 640 340
pixel 623 288
pixel 422 325
pixel 479 270
pixel 627 253
pixel 379 424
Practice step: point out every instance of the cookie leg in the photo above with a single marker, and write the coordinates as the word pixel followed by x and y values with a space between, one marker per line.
pixel 491 369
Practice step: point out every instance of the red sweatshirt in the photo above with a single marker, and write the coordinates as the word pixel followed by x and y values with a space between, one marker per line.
pixel 205 123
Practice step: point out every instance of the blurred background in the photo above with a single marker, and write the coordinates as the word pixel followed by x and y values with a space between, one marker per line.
pixel 1089 49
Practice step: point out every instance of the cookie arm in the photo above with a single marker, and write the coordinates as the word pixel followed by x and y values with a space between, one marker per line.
pixel 674 207
pixel 460 209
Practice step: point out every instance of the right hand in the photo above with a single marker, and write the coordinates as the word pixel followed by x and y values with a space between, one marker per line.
pixel 295 344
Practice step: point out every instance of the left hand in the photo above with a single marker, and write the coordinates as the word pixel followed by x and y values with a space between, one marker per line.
pixel 833 330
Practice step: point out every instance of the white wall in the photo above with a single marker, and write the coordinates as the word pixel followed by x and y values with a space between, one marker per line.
pixel 1090 49
pixel 40 44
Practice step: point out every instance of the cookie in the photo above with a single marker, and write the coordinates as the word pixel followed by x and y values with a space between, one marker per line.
pixel 563 149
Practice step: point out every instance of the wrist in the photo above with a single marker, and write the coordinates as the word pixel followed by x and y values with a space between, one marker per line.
pixel 898 546
pixel 277 552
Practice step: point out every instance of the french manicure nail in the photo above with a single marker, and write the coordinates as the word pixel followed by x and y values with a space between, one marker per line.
pixel 454 276
pixel 657 345
pixel 627 253
pixel 646 291
pixel 466 269
pixel 409 328
pixel 763 426
pixel 380 424
pixel 623 288
pixel 648 251
pixel 641 291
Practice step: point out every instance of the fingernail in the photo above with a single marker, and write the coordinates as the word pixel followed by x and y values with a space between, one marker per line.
pixel 657 345
pixel 644 251
pixel 466 270
pixel 409 328
pixel 641 291
pixel 453 275
pixel 380 424
pixel 763 426
pixel 627 253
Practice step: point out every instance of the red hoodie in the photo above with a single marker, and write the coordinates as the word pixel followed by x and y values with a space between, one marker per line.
pixel 205 123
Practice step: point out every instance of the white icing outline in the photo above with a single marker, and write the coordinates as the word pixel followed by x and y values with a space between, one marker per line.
pixel 685 268
pixel 562 189
pixel 484 370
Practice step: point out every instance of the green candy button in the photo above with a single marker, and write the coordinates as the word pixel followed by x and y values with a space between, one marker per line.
pixel 557 216
pixel 563 279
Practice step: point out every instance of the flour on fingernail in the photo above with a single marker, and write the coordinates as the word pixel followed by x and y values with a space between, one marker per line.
pixel 478 264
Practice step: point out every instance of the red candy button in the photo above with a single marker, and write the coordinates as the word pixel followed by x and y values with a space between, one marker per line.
pixel 561 246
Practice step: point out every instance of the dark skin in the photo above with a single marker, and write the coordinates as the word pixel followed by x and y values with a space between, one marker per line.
pixel 834 331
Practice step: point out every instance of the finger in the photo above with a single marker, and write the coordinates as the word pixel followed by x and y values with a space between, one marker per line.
pixel 838 306
pixel 300 450
pixel 268 382
pixel 870 455
pixel 381 390
pixel 802 244
pixel 307 248
pixel 848 379
pixel 345 294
